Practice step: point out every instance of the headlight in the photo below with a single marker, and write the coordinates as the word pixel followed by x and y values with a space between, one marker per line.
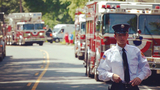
pixel 29 34
pixel 40 34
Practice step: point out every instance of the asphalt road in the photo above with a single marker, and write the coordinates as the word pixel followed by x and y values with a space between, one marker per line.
pixel 48 67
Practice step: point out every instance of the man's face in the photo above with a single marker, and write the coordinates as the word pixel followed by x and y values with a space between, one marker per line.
pixel 121 38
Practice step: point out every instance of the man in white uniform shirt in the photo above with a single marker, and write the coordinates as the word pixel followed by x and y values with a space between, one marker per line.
pixel 124 64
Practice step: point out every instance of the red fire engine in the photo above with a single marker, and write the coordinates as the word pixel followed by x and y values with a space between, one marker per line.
pixel 102 15
pixel 25 28
pixel 80 30
pixel 148 39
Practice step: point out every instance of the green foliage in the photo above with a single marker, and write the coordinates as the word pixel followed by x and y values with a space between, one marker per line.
pixel 9 6
pixel 54 11
pixel 156 26
pixel 76 4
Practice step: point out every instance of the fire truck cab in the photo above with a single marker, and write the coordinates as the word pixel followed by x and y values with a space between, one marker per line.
pixel 25 28
pixel 143 19
pixel 148 39
pixel 100 17
pixel 80 31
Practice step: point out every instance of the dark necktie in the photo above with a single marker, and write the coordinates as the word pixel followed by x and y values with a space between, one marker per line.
pixel 125 65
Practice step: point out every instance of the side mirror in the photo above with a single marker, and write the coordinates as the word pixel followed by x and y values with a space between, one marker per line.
pixel 137 35
pixel 98 23
pixel 98 26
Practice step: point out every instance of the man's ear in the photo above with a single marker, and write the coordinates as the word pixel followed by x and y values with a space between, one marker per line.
pixel 114 36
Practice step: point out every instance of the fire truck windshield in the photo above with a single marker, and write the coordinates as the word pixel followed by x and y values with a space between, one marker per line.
pixel 38 26
pixel 111 19
pixel 33 26
pixel 149 24
pixel 28 27
pixel 83 27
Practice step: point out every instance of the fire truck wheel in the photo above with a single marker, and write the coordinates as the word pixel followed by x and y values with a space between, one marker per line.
pixel 96 65
pixel 88 70
pixel 96 75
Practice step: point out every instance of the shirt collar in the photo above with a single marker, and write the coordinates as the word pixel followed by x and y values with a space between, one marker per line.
pixel 120 48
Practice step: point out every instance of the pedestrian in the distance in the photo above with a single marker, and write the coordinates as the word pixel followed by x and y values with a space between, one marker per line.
pixel 66 38
pixel 71 38
pixel 123 64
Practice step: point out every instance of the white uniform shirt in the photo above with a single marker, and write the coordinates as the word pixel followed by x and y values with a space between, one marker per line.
pixel 112 63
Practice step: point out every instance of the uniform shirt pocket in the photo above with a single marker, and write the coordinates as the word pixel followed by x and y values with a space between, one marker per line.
pixel 133 66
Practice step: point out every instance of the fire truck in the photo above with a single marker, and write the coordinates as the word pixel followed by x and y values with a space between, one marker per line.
pixel 148 36
pixel 143 19
pixel 25 29
pixel 80 31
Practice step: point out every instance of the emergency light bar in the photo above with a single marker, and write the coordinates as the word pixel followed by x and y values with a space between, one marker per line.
pixel 157 7
pixel 134 11
pixel 109 6
pixel 103 6
pixel 136 6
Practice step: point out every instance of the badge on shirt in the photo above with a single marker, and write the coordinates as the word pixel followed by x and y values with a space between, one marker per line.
pixel 143 55
pixel 104 57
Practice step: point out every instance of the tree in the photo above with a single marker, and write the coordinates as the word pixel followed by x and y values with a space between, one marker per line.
pixel 74 5
pixel 9 6
pixel 53 11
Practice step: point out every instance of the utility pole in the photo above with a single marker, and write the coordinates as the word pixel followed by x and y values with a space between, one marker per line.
pixel 20 5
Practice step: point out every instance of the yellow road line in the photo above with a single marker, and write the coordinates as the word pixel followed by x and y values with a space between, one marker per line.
pixel 36 74
pixel 41 75
pixel 29 84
